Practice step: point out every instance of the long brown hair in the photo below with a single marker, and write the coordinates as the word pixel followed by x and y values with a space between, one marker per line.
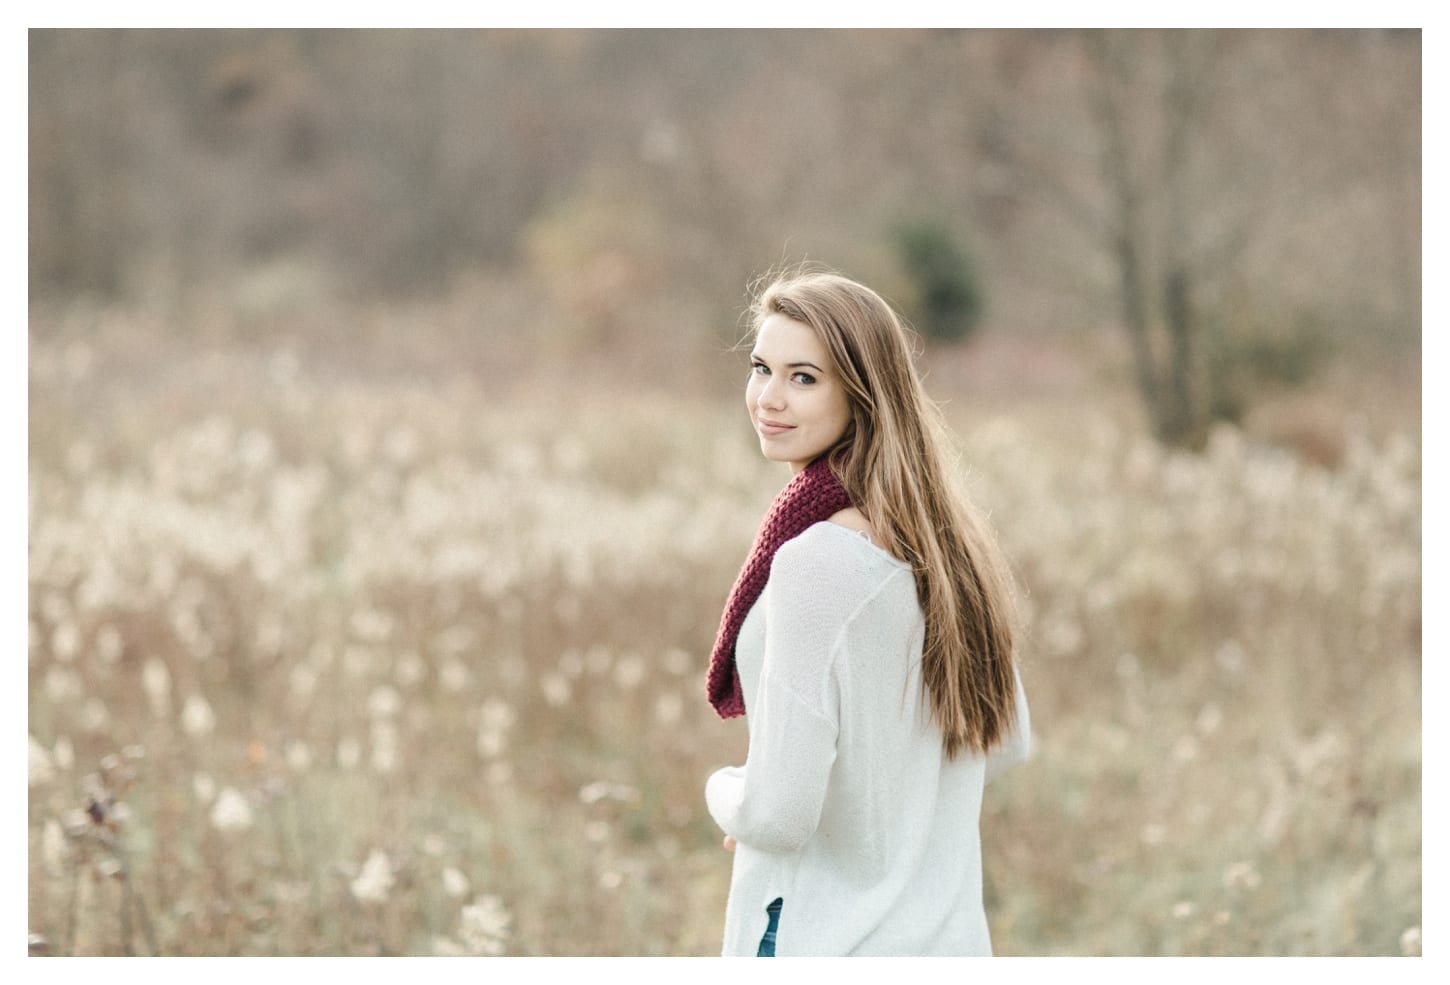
pixel 893 462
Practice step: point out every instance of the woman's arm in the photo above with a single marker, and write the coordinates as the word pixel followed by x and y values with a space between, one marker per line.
pixel 774 801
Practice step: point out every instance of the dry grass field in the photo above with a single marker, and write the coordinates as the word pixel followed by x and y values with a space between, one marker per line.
pixel 346 662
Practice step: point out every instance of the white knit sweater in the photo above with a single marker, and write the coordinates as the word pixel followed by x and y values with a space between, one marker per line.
pixel 846 807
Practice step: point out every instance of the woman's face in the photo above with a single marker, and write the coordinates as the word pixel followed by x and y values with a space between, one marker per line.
pixel 796 401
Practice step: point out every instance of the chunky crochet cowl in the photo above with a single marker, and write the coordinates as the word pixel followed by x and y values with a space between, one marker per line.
pixel 813 495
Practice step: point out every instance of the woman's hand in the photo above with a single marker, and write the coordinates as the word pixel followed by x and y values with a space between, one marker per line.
pixel 729 844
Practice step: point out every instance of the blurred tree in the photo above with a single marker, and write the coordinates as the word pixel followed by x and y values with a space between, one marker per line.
pixel 1249 353
pixel 1212 174
pixel 946 303
pixel 81 208
pixel 1143 180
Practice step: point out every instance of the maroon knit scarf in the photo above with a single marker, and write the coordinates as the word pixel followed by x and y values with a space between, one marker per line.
pixel 813 495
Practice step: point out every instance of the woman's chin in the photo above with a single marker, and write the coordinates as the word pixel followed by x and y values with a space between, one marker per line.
pixel 773 453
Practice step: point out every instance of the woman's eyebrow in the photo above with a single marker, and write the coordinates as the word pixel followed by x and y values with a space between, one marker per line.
pixel 757 358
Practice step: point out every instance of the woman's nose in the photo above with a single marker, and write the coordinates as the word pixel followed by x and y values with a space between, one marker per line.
pixel 771 395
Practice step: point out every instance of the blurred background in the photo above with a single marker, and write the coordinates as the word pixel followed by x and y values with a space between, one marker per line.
pixel 388 469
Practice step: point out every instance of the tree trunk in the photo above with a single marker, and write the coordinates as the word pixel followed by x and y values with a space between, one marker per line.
pixel 1181 424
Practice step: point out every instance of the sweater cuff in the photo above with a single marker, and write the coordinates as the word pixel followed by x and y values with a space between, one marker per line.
pixel 723 792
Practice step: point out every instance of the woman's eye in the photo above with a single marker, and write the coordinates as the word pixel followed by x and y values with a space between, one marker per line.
pixel 759 369
pixel 805 378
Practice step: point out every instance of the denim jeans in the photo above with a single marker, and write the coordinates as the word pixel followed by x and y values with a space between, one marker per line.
pixel 767 943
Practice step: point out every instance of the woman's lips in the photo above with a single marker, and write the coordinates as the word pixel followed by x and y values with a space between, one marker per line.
pixel 772 427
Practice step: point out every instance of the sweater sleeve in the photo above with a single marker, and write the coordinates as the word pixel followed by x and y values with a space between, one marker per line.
pixel 1016 746
pixel 774 801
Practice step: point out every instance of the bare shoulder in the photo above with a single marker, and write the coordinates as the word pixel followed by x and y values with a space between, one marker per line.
pixel 853 519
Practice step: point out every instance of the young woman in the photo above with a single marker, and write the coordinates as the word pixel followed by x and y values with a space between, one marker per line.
pixel 868 641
